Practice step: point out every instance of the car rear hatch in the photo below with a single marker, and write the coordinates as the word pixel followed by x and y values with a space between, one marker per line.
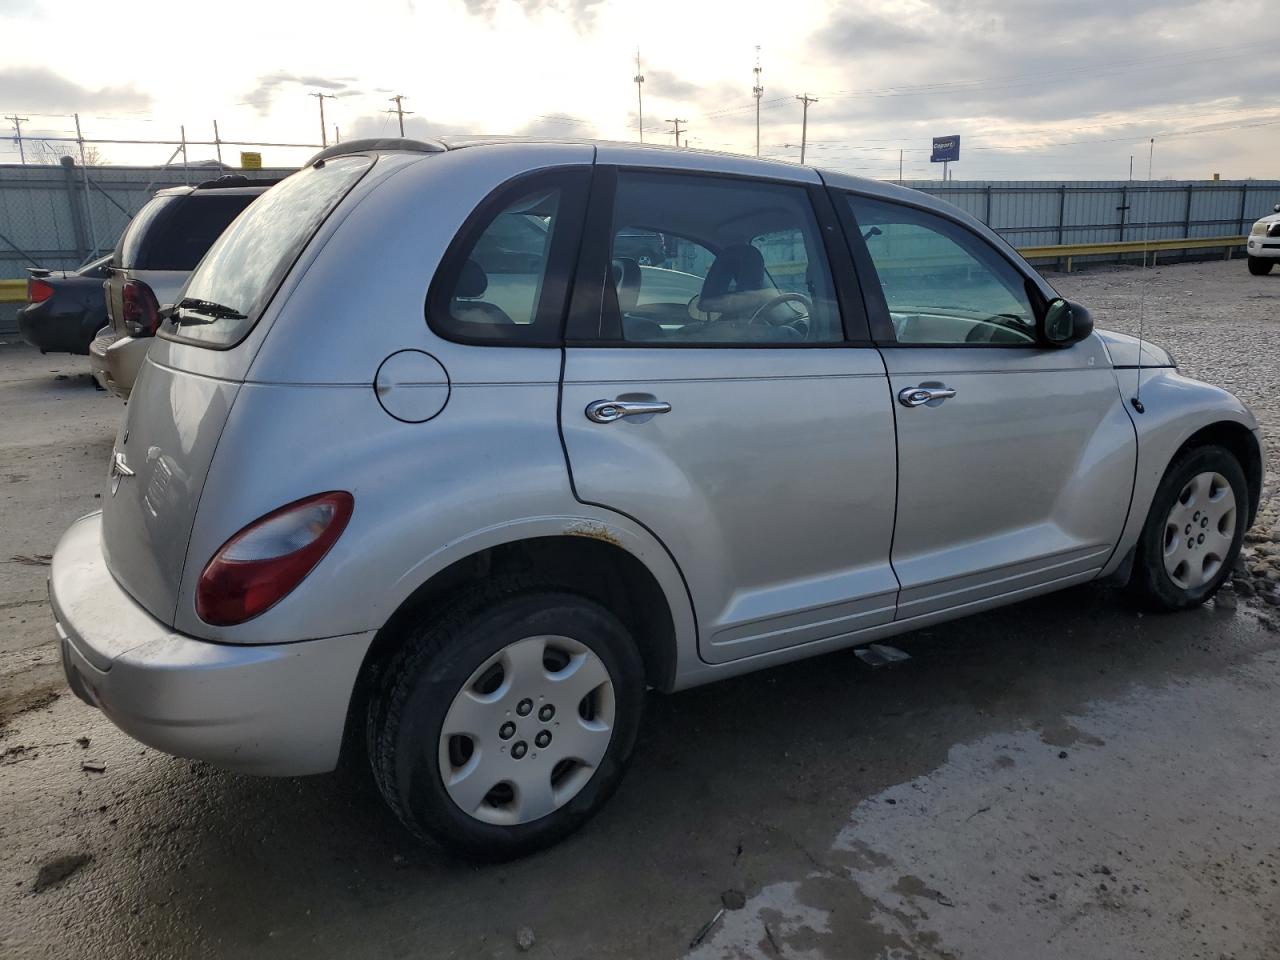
pixel 162 245
pixel 187 386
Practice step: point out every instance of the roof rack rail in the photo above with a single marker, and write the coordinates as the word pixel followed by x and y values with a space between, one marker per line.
pixel 378 143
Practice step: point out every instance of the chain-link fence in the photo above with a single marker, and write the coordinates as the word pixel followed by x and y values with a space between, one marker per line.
pixel 61 216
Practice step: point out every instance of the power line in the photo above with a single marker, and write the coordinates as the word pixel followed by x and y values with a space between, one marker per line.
pixel 1162 61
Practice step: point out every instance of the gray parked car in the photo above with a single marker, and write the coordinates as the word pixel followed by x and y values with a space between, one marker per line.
pixel 155 255
pixel 357 494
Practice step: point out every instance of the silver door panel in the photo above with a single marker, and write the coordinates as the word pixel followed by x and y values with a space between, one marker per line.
pixel 1022 477
pixel 770 480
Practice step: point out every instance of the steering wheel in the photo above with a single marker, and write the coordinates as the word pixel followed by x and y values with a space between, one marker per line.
pixel 778 301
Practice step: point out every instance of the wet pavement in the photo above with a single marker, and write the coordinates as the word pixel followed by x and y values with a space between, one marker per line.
pixel 1061 778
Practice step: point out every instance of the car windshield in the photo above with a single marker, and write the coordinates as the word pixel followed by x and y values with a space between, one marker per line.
pixel 242 270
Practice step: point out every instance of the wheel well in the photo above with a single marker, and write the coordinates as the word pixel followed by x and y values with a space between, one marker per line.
pixel 1240 440
pixel 592 567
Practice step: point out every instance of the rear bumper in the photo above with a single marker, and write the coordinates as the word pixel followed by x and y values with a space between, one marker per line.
pixel 274 709
pixel 119 359
pixel 98 357
pixel 52 332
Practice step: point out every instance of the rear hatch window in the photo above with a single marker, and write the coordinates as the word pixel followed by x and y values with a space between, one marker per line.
pixel 174 232
pixel 236 280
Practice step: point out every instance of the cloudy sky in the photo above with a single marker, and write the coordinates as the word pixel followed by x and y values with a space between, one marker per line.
pixel 1037 89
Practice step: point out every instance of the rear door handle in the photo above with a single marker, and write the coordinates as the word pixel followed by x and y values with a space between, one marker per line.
pixel 918 396
pixel 607 411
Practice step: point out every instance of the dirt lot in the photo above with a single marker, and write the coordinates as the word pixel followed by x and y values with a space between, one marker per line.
pixel 1063 778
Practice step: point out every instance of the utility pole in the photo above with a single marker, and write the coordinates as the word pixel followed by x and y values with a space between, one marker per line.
pixel 17 122
pixel 639 82
pixel 84 172
pixel 804 125
pixel 217 142
pixel 324 137
pixel 899 167
pixel 676 121
pixel 399 110
pixel 757 91
pixel 337 134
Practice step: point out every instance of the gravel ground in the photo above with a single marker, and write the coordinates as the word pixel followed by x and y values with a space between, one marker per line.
pixel 1057 779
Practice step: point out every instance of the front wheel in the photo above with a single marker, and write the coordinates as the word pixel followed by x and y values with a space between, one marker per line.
pixel 1260 266
pixel 506 723
pixel 1194 530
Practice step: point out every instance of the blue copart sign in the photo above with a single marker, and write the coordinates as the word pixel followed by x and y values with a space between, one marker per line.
pixel 945 149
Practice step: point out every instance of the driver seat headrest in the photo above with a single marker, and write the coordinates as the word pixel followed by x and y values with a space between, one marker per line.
pixel 735 285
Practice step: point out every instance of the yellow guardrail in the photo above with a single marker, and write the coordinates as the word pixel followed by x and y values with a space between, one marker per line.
pixel 1068 251
pixel 13 291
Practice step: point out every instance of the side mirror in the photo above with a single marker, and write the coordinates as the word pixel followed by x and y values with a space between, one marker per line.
pixel 1276 208
pixel 1065 323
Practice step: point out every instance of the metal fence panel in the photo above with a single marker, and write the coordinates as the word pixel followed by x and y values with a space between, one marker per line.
pixel 60 216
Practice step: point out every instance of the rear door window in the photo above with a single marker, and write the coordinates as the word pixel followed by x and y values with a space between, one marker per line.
pixel 242 270
pixel 700 259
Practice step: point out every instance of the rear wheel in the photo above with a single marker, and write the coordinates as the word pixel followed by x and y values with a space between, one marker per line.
pixel 1260 266
pixel 504 725
pixel 1194 530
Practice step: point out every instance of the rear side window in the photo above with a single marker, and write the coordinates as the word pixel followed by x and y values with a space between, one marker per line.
pixel 237 278
pixel 173 233
pixel 506 276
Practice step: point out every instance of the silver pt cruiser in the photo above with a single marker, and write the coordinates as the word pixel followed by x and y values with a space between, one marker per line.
pixel 458 447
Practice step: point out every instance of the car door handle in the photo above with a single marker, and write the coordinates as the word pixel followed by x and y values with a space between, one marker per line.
pixel 607 411
pixel 918 396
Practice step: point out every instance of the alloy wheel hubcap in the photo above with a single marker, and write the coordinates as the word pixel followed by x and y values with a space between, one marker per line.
pixel 1199 530
pixel 527 730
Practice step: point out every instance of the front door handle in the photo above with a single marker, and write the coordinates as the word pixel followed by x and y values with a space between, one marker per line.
pixel 607 411
pixel 918 396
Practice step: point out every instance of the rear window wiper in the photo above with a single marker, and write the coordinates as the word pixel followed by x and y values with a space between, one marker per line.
pixel 205 311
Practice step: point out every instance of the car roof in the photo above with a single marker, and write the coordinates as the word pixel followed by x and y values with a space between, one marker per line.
pixel 640 154
pixel 630 153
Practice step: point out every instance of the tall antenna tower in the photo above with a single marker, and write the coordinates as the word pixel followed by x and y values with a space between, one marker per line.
pixel 757 91
pixel 639 82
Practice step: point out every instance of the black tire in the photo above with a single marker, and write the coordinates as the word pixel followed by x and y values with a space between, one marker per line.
pixel 1151 582
pixel 414 692
pixel 1260 266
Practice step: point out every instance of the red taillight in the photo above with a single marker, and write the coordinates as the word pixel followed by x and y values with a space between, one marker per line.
pixel 261 564
pixel 38 291
pixel 141 310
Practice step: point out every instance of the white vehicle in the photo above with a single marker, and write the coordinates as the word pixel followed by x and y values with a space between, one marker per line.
pixel 1264 244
